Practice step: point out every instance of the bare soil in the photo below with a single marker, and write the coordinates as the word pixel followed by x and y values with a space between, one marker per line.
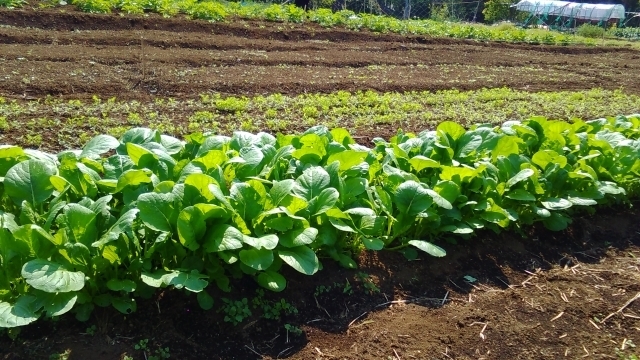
pixel 63 52
pixel 542 296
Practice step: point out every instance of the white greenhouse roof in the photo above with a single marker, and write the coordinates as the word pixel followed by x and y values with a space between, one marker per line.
pixel 597 12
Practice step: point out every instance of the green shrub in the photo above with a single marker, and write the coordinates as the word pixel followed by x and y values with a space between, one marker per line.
pixel 590 31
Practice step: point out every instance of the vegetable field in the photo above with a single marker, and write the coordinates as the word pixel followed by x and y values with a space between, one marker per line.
pixel 259 188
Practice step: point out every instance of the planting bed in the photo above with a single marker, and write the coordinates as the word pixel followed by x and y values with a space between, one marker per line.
pixel 493 296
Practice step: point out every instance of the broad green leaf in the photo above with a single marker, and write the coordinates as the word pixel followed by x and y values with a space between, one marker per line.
pixel 520 195
pixel 59 303
pixel 82 224
pixel 51 277
pixel 467 144
pixel 312 149
pixel 30 181
pixel 347 159
pixel 222 238
pixel 19 314
pixel 373 243
pixel 157 211
pixel 192 281
pixel 428 247
pixel 506 146
pixel 301 258
pixel 448 190
pixel 268 242
pixel 99 145
pixel 136 153
pixel 280 190
pixel 412 198
pixel 133 177
pixel 121 285
pixel 124 305
pixel 9 156
pixel 298 237
pixel 122 225
pixel 323 202
pixel 556 222
pixel 582 201
pixel 439 200
pixel 258 259
pixel 520 176
pixel 205 300
pixel 452 129
pixel 544 157
pixel 556 204
pixel 312 181
pixel 271 280
pixel 420 163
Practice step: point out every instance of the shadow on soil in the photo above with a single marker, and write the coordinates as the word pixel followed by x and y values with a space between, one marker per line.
pixel 330 301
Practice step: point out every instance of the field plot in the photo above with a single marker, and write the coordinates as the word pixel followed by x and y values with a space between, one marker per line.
pixel 67 76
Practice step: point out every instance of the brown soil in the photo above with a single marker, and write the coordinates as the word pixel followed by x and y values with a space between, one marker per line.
pixel 543 297
pixel 64 52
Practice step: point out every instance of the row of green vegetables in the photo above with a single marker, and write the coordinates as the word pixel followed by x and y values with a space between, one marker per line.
pixel 223 10
pixel 122 217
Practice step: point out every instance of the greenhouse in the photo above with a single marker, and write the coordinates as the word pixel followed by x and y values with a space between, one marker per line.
pixel 564 13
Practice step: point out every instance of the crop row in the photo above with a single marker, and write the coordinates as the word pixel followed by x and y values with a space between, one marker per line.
pixel 122 217
pixel 53 124
pixel 222 10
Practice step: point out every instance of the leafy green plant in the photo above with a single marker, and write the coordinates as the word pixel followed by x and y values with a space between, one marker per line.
pixel 235 310
pixel 120 218
pixel 590 31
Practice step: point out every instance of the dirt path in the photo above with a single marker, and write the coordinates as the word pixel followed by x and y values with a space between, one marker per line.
pixel 78 55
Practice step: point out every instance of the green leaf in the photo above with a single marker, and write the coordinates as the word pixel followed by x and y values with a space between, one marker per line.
pixel 30 181
pixel 258 259
pixel 439 200
pixel 299 237
pixel 124 305
pixel 373 244
pixel 268 242
pixel 280 190
pixel 122 225
pixel 59 303
pixel 323 202
pixel 133 177
pixel 428 247
pixel 205 300
pixel 271 280
pixel 222 238
pixel 192 281
pixel 301 258
pixel 556 222
pixel 452 129
pixel 520 195
pixel 556 204
pixel 81 223
pixel 19 314
pixel 157 211
pixel 121 285
pixel 420 163
pixel 347 159
pixel 99 145
pixel 582 201
pixel 51 277
pixel 312 181
pixel 506 146
pixel 412 198
pixel 520 176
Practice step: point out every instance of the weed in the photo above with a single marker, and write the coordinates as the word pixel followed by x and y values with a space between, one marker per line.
pixel 367 283
pixel 235 310
pixel 590 31
pixel 60 356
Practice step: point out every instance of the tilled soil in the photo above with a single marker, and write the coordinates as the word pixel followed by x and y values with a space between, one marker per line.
pixel 64 52
pixel 492 297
